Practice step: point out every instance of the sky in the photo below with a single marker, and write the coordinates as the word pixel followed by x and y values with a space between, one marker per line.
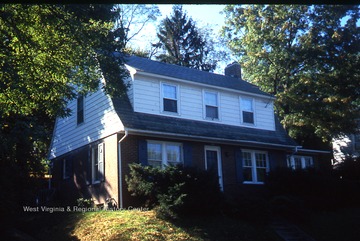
pixel 204 15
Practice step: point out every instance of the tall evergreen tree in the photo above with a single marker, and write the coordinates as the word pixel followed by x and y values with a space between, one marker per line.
pixel 183 43
pixel 308 57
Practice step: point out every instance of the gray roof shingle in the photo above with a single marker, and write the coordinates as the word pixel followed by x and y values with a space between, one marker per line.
pixel 199 129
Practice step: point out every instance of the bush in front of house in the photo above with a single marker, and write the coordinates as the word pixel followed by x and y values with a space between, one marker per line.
pixel 348 169
pixel 176 190
pixel 316 190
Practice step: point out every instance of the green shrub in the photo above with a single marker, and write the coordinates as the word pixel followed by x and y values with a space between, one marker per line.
pixel 84 203
pixel 248 207
pixel 176 190
pixel 317 190
pixel 349 169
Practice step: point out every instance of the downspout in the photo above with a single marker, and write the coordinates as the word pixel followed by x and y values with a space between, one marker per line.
pixel 297 149
pixel 120 169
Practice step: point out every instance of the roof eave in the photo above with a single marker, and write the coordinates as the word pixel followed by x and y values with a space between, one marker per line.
pixel 215 140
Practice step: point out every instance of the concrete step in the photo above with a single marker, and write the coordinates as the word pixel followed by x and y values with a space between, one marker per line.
pixel 289 232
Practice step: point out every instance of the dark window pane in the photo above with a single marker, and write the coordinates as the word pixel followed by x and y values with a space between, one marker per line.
pixel 212 161
pixel 170 105
pixel 248 117
pixel 212 112
pixel 261 174
pixel 80 109
pixel 247 174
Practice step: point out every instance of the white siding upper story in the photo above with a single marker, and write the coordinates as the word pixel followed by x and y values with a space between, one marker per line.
pixel 100 121
pixel 146 96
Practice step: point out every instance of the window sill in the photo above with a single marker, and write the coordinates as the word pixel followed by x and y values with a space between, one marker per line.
pixel 94 183
pixel 212 119
pixel 80 124
pixel 253 183
pixel 170 113
pixel 248 124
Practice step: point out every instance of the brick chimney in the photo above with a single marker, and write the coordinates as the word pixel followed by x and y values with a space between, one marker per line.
pixel 233 70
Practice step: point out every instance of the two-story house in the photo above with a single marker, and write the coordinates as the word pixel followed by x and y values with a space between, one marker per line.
pixel 171 115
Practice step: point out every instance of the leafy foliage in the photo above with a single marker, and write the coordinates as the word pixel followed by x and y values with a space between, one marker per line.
pixel 176 190
pixel 314 189
pixel 308 57
pixel 132 18
pixel 48 53
pixel 348 169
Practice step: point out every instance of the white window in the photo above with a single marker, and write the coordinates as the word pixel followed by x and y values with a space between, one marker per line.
pixel 97 163
pixel 162 154
pixel 211 105
pixel 170 98
pixel 300 162
pixel 80 109
pixel 255 166
pixel 247 110
pixel 66 168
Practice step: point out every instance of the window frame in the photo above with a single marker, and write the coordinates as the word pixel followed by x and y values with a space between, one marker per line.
pixel 290 161
pixel 163 153
pixel 97 163
pixel 177 99
pixel 254 166
pixel 80 109
pixel 205 92
pixel 242 110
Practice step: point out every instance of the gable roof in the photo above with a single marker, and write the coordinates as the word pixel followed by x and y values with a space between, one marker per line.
pixel 165 126
pixel 189 74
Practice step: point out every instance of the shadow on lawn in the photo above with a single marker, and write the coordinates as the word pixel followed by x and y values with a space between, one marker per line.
pixel 56 226
pixel 223 227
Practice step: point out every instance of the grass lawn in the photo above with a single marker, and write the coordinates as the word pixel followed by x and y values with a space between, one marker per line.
pixel 143 225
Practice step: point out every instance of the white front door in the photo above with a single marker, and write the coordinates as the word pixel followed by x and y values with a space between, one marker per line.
pixel 213 162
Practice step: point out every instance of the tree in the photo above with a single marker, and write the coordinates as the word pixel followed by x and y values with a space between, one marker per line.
pixel 183 43
pixel 308 57
pixel 48 53
pixel 132 18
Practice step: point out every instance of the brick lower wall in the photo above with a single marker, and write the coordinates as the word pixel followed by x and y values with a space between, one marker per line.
pixel 76 186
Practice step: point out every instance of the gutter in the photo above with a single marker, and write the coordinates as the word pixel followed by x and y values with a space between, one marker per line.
pixel 311 151
pixel 120 169
pixel 207 139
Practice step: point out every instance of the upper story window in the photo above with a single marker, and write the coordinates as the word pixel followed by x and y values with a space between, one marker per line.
pixel 300 162
pixel 211 105
pixel 247 110
pixel 170 98
pixel 80 109
pixel 255 166
pixel 162 154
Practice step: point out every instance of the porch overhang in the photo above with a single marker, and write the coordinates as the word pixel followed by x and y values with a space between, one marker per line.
pixel 214 140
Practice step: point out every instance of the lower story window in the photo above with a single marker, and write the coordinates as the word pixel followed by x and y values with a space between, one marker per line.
pixel 67 166
pixel 255 166
pixel 299 162
pixel 97 163
pixel 162 154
